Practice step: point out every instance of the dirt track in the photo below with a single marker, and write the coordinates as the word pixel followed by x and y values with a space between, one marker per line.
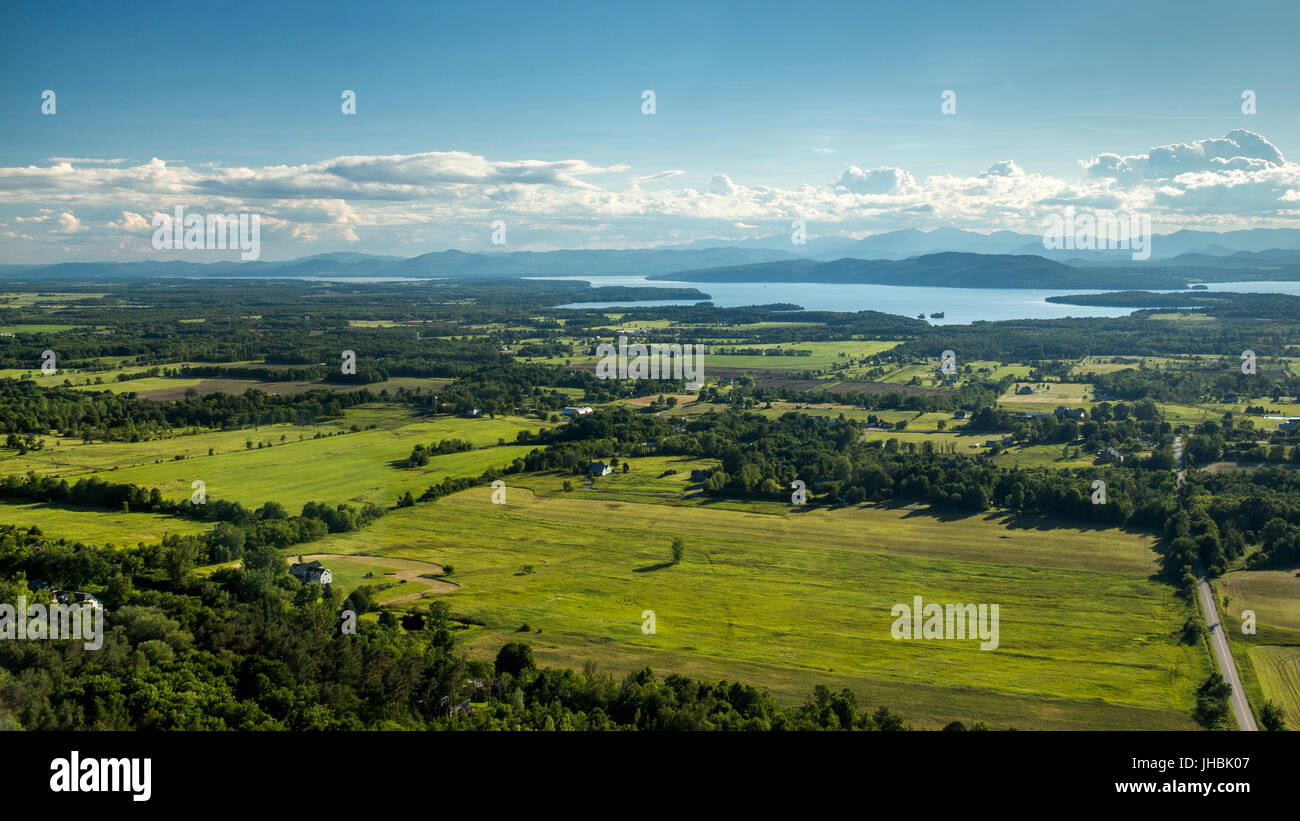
pixel 407 570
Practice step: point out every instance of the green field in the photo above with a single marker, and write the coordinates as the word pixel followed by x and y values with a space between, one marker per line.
pixel 1041 456
pixel 779 409
pixel 405 581
pixel 782 597
pixel 65 456
pixel 1274 595
pixel 821 355
pixel 361 466
pixel 98 526
pixel 791 599
pixel 1269 660
pixel 358 467
pixel 35 329
pixel 1047 396
pixel 1278 671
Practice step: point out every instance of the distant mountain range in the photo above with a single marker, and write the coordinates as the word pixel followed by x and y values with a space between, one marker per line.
pixel 944 257
pixel 953 269
pixel 911 242
pixel 949 269
pixel 437 264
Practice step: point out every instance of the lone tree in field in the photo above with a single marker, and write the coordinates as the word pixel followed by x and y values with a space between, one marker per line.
pixel 679 549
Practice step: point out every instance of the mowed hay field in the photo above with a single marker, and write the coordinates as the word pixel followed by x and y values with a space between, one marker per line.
pixel 1278 671
pixel 66 456
pixel 787 600
pixel 96 526
pixel 1269 659
pixel 819 355
pixel 358 466
pixel 364 466
pixel 404 580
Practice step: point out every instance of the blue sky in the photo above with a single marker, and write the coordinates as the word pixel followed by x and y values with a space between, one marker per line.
pixel 777 98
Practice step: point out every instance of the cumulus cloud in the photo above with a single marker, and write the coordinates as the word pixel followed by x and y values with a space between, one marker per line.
pixel 1238 150
pixel 1005 168
pixel 68 223
pixel 405 201
pixel 722 185
pixel 131 222
pixel 855 180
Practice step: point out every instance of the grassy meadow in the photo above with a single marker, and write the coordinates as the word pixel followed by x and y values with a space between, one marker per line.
pixel 1269 659
pixel 292 467
pixel 791 599
pixel 781 597
pixel 98 526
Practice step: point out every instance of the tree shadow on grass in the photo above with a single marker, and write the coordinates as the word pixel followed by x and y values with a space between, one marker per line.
pixel 1021 521
pixel 650 568
pixel 942 514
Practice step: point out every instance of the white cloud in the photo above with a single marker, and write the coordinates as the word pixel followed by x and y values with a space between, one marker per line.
pixel 1005 168
pixel 131 222
pixel 68 223
pixel 876 181
pixel 1238 150
pixel 662 175
pixel 433 200
pixel 85 160
pixel 722 185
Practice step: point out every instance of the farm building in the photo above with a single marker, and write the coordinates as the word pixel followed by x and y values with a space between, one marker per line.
pixel 1109 455
pixel 74 597
pixel 311 572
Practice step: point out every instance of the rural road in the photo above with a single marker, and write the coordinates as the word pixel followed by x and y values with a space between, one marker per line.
pixel 1228 667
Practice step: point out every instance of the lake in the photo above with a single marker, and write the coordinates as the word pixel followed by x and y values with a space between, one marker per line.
pixel 959 305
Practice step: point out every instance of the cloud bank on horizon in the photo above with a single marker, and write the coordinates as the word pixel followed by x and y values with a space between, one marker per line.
pixel 69 208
